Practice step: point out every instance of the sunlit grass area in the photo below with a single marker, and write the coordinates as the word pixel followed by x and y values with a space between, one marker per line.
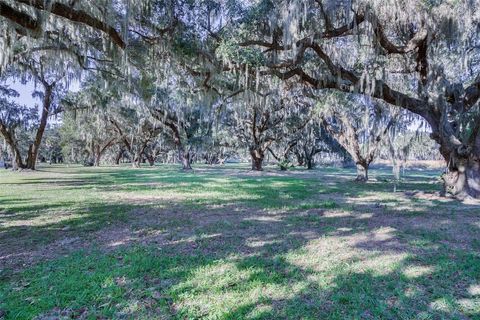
pixel 227 243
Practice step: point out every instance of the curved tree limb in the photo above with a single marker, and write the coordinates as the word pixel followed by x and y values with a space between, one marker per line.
pixel 62 10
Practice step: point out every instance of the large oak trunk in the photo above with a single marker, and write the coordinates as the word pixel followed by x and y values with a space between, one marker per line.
pixel 17 162
pixel 362 172
pixel 151 160
pixel 137 162
pixel 35 147
pixel 462 180
pixel 119 157
pixel 96 161
pixel 186 164
pixel 97 155
pixel 310 161
pixel 310 164
pixel 9 136
pixel 300 159
pixel 186 159
pixel 257 156
pixel 462 177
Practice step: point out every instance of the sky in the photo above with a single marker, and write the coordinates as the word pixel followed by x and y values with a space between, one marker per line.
pixel 25 91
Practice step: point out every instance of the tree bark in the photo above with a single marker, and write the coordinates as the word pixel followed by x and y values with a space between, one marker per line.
pixel 186 158
pixel 362 172
pixel 96 162
pixel 151 160
pixel 97 155
pixel 300 159
pixel 462 180
pixel 136 163
pixel 309 154
pixel 139 154
pixel 137 159
pixel 18 158
pixel 35 147
pixel 310 163
pixel 17 161
pixel 257 156
pixel 119 157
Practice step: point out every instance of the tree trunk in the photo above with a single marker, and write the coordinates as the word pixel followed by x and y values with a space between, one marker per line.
pixel 310 163
pixel 186 163
pixel 17 162
pixel 186 159
pixel 34 148
pixel 137 160
pixel 362 172
pixel 97 158
pixel 97 155
pixel 396 169
pixel 257 159
pixel 300 159
pixel 9 136
pixel 151 160
pixel 463 178
pixel 119 157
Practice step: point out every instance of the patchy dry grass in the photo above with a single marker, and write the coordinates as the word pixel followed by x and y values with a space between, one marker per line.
pixel 227 243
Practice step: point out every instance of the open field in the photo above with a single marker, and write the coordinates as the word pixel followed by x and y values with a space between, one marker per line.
pixel 228 243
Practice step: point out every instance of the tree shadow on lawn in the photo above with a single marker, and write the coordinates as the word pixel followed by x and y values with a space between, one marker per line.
pixel 242 263
pixel 245 259
pixel 28 232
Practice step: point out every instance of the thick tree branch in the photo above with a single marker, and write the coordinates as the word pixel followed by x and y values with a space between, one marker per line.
pixel 62 10
pixel 20 18
pixel 472 93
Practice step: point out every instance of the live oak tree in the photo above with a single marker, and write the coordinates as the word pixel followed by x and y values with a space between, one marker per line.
pixel 40 40
pixel 50 84
pixel 313 140
pixel 293 132
pixel 15 120
pixel 51 150
pixel 407 140
pixel 360 125
pixel 417 55
pixel 256 118
pixel 185 116
pixel 187 128
pixel 92 128
pixel 109 113
pixel 136 129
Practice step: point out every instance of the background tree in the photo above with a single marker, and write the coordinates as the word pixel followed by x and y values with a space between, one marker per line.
pixel 314 140
pixel 51 151
pixel 15 121
pixel 359 125
pixel 255 119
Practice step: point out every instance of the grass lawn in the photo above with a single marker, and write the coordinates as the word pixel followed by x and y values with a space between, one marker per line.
pixel 227 243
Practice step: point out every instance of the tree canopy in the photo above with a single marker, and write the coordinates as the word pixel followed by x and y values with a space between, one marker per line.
pixel 177 72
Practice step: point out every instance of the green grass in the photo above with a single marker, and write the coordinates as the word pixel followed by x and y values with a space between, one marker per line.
pixel 225 243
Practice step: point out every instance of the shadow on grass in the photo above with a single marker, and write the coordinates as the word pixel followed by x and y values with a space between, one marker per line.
pixel 245 262
pixel 253 265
